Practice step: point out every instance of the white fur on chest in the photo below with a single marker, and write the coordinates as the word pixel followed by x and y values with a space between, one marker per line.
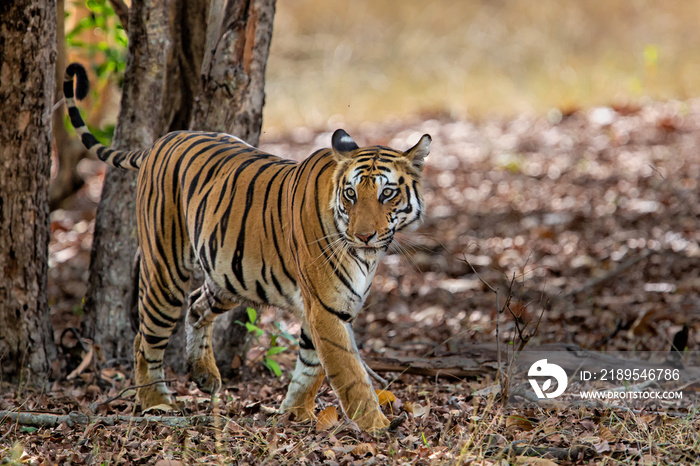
pixel 362 282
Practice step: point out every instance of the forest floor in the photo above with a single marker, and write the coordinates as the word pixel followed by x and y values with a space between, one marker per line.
pixel 586 223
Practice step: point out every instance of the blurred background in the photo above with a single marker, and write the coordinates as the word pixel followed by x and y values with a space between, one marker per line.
pixel 378 59
pixel 371 60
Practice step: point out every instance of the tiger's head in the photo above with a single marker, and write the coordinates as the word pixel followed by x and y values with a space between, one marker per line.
pixel 377 191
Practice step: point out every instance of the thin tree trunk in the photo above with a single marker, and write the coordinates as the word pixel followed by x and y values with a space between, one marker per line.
pixel 238 45
pixel 189 34
pixel 27 85
pixel 166 44
pixel 141 121
pixel 232 96
pixel 230 100
pixel 69 149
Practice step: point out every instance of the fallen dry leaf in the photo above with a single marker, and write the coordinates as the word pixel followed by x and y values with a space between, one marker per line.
pixel 519 422
pixel 606 434
pixel 602 447
pixel 364 449
pixel 385 396
pixel 420 411
pixel 327 419
pixel 168 463
pixel 161 407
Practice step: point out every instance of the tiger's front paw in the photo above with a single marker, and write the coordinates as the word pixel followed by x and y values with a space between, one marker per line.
pixel 373 422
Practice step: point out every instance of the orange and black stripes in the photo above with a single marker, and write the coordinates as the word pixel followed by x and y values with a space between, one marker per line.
pixel 305 237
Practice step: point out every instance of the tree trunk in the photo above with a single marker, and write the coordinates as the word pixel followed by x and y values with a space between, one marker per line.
pixel 27 58
pixel 69 149
pixel 166 44
pixel 233 65
pixel 232 93
pixel 190 24
pixel 230 100
pixel 108 319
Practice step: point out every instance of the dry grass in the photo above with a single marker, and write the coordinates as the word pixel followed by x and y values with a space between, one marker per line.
pixel 369 60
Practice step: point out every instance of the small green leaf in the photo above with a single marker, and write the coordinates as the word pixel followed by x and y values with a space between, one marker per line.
pixel 273 366
pixel 276 350
pixel 254 329
pixel 425 441
pixel 252 315
pixel 28 429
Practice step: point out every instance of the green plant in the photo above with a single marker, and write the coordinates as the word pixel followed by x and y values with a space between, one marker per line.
pixel 99 37
pixel 425 441
pixel 106 40
pixel 275 348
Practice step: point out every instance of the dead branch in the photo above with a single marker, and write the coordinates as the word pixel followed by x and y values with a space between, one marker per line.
pixel 620 269
pixel 382 381
pixel 72 419
pixel 482 360
pixel 575 453
pixel 448 366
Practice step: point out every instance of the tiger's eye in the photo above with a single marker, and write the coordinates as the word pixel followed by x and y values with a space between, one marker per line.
pixel 387 192
pixel 349 193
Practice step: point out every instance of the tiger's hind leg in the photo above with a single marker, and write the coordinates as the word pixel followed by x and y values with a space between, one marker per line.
pixel 204 305
pixel 159 310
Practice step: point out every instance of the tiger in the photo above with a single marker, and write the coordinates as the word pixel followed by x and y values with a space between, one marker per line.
pixel 305 237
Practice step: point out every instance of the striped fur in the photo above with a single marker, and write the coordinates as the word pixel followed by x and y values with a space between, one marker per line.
pixel 305 237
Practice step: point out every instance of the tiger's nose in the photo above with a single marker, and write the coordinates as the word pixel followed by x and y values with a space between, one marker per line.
pixel 365 237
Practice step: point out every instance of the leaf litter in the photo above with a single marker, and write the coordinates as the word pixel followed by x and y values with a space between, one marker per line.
pixel 589 220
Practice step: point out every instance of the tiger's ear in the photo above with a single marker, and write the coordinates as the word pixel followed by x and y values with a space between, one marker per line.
pixel 419 152
pixel 342 143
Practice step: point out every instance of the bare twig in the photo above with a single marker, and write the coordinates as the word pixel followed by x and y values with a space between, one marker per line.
pixel 575 453
pixel 382 381
pixel 619 325
pixel 57 105
pixel 498 310
pixel 620 269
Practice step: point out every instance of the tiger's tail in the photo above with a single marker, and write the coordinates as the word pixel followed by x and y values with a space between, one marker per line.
pixel 129 160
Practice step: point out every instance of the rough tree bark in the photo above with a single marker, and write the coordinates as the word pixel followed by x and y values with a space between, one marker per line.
pixel 69 148
pixel 108 319
pixel 230 100
pixel 27 57
pixel 232 93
